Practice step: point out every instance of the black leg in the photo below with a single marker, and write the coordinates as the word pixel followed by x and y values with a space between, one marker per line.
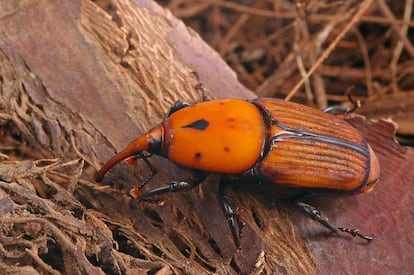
pixel 231 215
pixel 144 156
pixel 174 186
pixel 340 110
pixel 317 216
pixel 335 110
pixel 200 87
pixel 178 105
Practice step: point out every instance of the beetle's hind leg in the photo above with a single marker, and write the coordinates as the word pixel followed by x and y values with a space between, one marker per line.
pixel 317 216
pixel 174 186
pixel 340 110
pixel 231 215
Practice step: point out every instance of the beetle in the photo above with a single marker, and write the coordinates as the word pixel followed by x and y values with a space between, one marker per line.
pixel 266 140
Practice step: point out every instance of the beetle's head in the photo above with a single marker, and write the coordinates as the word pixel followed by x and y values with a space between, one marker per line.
pixel 150 142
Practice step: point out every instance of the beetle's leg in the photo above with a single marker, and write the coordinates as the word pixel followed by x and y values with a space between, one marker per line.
pixel 340 110
pixel 355 232
pixel 231 215
pixel 174 186
pixel 200 87
pixel 355 103
pixel 336 110
pixel 178 105
pixel 144 156
pixel 317 216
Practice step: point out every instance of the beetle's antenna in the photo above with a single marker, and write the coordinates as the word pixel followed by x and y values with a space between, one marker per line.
pixel 200 87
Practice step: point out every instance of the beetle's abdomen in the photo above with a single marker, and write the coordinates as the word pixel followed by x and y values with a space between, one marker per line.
pixel 222 136
pixel 308 148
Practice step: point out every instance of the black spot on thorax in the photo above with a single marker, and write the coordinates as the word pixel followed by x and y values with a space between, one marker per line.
pixel 200 125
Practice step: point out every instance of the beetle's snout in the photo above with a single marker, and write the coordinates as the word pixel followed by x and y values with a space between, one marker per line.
pixel 144 142
pixel 374 173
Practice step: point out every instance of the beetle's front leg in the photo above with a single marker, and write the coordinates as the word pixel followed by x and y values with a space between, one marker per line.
pixel 174 186
pixel 317 216
pixel 200 87
pixel 178 105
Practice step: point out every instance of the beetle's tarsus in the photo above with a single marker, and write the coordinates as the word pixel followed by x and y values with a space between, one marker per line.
pixel 355 232
pixel 317 216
